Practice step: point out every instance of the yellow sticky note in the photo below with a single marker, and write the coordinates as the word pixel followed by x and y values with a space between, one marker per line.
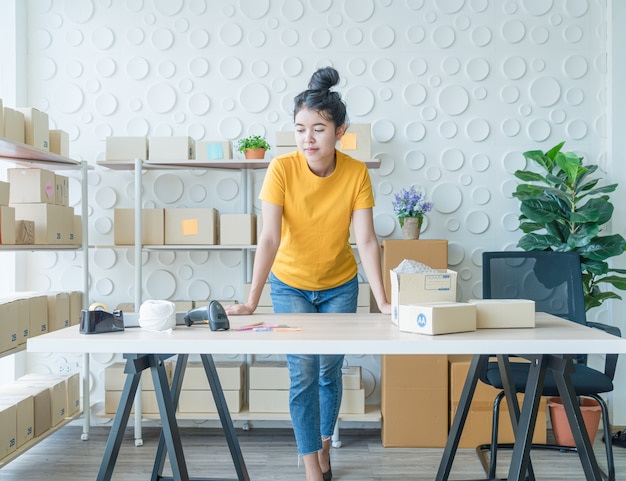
pixel 348 142
pixel 190 226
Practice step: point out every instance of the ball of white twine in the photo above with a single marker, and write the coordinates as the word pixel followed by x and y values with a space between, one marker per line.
pixel 157 315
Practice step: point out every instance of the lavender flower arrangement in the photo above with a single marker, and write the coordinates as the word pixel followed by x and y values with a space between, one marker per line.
pixel 411 203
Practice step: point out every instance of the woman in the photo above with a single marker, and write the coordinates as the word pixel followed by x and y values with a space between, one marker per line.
pixel 309 199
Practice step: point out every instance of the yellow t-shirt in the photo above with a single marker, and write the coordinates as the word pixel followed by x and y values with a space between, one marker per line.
pixel 315 252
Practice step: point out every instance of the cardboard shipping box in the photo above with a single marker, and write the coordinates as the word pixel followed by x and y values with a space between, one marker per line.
pixel 31 186
pixel 152 226
pixel 213 150
pixel 8 429
pixel 24 232
pixel 18 309
pixel 268 401
pixel 126 148
pixel 42 402
pixel 13 125
pixel 53 223
pixel 414 401
pixel 191 226
pixel 230 373
pixel 60 143
pixel 237 229
pixel 9 326
pixel 25 415
pixel 72 388
pixel 437 317
pixel 357 141
pixel 504 313
pixel 4 192
pixel 171 149
pixel 7 225
pixel 36 128
pixel 58 310
pixel 202 402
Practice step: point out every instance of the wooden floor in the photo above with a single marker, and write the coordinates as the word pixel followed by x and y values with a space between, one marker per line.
pixel 270 454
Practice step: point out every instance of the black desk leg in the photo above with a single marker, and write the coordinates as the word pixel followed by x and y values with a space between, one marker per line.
pixel 169 429
pixel 520 460
pixel 116 435
pixel 510 394
pixel 561 369
pixel 177 382
pixel 227 422
pixel 478 363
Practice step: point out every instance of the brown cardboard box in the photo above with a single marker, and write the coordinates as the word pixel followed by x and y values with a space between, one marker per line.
pixel 230 373
pixel 72 388
pixel 60 143
pixel 19 309
pixel 4 193
pixel 76 305
pixel 7 225
pixel 237 229
pixel 14 129
pixel 52 222
pixel 504 313
pixel 477 429
pixel 126 148
pixel 149 404
pixel 171 149
pixel 437 318
pixel 8 429
pixel 36 128
pixel 197 226
pixel 9 326
pixel 152 226
pixel 114 376
pixel 62 187
pixel 24 232
pixel 414 398
pixel 31 186
pixel 268 401
pixel 432 252
pixel 352 401
pixel 42 402
pixel 38 313
pixel 213 150
pixel 202 402
pixel 25 415
pixel 268 375
pixel 357 141
pixel 58 310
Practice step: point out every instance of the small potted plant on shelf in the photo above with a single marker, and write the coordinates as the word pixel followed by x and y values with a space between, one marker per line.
pixel 253 146
pixel 410 206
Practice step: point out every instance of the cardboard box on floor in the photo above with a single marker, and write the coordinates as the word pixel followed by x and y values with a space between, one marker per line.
pixel 477 429
pixel 414 389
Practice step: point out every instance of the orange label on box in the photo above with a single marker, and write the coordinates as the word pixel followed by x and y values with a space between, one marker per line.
pixel 348 142
pixel 190 226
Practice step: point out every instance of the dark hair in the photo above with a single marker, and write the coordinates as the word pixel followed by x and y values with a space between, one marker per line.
pixel 320 98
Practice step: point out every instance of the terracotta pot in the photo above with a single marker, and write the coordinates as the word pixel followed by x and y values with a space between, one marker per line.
pixel 411 228
pixel 590 410
pixel 255 153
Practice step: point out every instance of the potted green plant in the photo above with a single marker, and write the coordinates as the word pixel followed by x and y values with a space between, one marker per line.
pixel 410 206
pixel 564 208
pixel 253 146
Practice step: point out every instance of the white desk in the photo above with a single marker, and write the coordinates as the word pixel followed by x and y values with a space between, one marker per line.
pixel 548 346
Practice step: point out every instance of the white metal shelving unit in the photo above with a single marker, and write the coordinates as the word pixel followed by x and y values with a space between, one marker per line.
pixel 23 155
pixel 244 166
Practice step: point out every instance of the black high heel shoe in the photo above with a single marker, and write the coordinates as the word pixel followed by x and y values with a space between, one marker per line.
pixel 328 475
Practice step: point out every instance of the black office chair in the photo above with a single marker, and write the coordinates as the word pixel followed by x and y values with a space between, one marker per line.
pixel 554 281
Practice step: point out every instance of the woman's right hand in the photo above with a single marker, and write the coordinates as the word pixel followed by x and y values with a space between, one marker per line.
pixel 239 309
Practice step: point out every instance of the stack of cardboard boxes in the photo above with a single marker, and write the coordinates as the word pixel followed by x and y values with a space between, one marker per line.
pixel 32 405
pixel 196 397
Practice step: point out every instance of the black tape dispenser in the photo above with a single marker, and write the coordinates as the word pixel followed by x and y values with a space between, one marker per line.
pixel 214 315
pixel 97 320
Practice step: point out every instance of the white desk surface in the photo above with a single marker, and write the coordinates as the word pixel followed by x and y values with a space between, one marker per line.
pixel 335 334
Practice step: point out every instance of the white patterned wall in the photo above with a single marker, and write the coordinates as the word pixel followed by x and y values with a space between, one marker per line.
pixel 455 90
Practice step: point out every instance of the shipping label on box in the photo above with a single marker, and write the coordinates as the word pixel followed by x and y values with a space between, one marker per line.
pixel 437 318
pixel 438 286
pixel 36 128
pixel 357 141
pixel 238 229
pixel 191 226
pixel 152 226
pixel 126 148
pixel 31 186
pixel 171 149
pixel 7 225
pixel 213 150
pixel 504 313
pixel 13 125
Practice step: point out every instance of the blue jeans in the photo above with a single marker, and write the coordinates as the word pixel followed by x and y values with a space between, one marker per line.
pixel 316 386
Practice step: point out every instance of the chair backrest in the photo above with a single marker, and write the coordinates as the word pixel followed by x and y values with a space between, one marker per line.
pixel 552 279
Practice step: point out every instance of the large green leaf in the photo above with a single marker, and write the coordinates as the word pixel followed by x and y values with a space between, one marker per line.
pixel 537 242
pixel 528 176
pixel 540 210
pixel 603 247
pixel 616 281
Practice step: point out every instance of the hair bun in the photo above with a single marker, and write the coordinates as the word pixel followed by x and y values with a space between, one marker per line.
pixel 324 79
